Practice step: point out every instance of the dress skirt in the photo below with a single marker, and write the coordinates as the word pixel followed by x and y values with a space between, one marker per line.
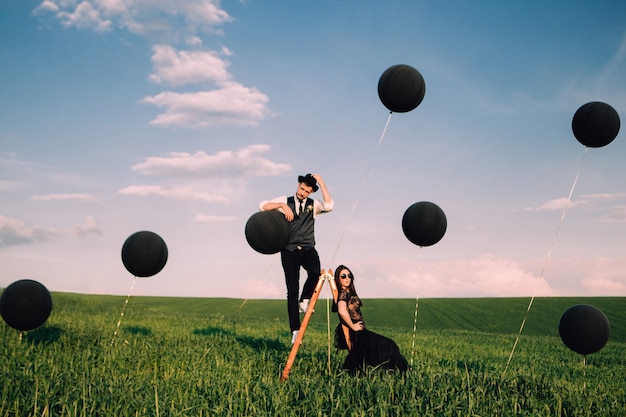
pixel 372 349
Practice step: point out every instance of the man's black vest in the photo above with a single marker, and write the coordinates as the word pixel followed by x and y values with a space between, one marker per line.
pixel 302 234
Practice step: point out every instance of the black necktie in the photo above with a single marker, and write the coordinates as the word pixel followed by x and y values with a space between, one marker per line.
pixel 300 208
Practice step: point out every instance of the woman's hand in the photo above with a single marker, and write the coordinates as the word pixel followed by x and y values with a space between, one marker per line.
pixel 358 326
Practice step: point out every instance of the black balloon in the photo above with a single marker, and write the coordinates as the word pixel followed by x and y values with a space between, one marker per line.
pixel 144 254
pixel 424 223
pixel 267 232
pixel 401 88
pixel 595 124
pixel 25 304
pixel 584 329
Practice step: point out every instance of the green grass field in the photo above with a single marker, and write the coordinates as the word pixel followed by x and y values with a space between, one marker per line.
pixel 221 357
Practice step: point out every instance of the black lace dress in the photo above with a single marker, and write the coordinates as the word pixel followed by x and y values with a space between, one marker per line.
pixel 369 348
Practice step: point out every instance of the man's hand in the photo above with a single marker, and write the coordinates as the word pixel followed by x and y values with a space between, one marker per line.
pixel 283 207
pixel 325 194
pixel 288 212
pixel 318 178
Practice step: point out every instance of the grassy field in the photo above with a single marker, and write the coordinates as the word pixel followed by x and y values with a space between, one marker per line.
pixel 221 357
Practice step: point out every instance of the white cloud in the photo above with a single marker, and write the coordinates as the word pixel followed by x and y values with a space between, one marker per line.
pixel 556 204
pixel 176 193
pixel 63 197
pixel 82 15
pixel 497 276
pixel 606 202
pixel 616 215
pixel 202 218
pixel 262 288
pixel 11 166
pixel 174 21
pixel 145 17
pixel 605 276
pixel 605 197
pixel 47 6
pixel 8 185
pixel 85 16
pixel 201 12
pixel 16 232
pixel 245 162
pixel 193 41
pixel 485 276
pixel 208 178
pixel 112 7
pixel 234 104
pixel 178 68
pixel 88 227
pixel 599 286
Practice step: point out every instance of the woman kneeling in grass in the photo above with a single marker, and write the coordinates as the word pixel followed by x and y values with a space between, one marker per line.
pixel 366 347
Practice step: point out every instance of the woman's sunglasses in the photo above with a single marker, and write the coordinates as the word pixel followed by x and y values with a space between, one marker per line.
pixel 346 276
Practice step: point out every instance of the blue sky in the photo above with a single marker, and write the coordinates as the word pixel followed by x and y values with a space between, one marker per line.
pixel 180 116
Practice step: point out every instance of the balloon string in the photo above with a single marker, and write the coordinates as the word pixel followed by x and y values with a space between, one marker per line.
pixel 419 279
pixel 365 177
pixel 132 285
pixel 329 295
pixel 569 200
pixel 584 372
pixel 369 168
pixel 545 263
pixel 258 282
pixel 356 202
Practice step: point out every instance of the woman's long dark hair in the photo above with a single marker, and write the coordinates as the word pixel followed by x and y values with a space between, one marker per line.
pixel 351 288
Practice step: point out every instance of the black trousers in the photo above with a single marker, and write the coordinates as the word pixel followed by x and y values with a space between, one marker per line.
pixel 292 261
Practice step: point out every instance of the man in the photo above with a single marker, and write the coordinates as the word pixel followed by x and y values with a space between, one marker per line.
pixel 301 211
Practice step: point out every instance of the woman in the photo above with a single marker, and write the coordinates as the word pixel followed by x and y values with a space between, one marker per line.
pixel 367 348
